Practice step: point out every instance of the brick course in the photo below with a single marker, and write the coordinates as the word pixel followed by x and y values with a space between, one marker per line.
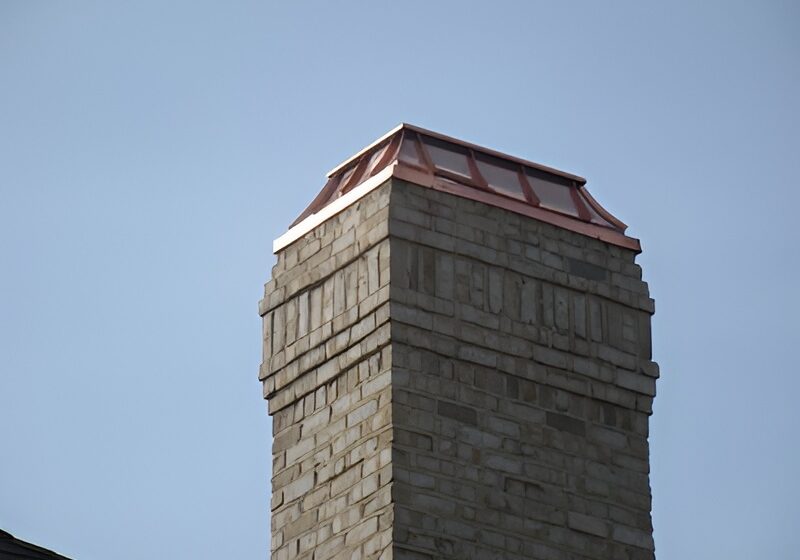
pixel 448 379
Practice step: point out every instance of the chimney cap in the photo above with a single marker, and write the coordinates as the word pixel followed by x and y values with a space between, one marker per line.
pixel 452 140
pixel 434 160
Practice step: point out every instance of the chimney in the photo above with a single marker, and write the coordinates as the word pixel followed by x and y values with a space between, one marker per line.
pixel 457 361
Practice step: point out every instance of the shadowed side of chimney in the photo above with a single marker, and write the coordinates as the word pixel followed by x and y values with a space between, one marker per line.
pixel 522 386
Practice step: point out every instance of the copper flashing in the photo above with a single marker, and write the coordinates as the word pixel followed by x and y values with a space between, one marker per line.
pixel 433 160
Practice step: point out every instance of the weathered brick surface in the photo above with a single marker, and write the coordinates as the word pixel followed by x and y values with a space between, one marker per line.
pixel 327 374
pixel 452 380
pixel 522 387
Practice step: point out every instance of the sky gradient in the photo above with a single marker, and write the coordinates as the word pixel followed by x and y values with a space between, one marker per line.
pixel 151 151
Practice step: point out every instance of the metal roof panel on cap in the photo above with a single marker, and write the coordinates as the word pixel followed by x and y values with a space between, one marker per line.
pixel 434 160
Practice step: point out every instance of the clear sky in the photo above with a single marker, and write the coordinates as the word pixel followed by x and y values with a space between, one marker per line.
pixel 151 151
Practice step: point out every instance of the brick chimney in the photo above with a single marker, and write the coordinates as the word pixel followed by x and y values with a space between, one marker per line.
pixel 458 365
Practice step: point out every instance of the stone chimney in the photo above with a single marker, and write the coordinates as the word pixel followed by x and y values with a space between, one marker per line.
pixel 458 365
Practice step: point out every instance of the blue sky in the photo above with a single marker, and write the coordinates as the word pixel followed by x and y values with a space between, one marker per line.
pixel 151 151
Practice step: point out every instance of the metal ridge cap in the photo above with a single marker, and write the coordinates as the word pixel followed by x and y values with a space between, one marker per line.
pixel 364 150
pixel 547 169
pixel 326 212
pixel 495 153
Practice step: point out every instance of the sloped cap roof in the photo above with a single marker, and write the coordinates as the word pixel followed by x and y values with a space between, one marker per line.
pixel 443 163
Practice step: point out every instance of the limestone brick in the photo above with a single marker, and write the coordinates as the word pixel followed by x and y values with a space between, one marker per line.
pixel 449 380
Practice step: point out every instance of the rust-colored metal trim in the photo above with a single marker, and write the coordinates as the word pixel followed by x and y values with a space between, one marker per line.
pixel 517 168
pixel 526 187
pixel 425 179
pixel 422 152
pixel 335 206
pixel 390 153
pixel 477 177
pixel 583 213
pixel 595 231
pixel 407 137
pixel 319 201
pixel 366 149
pixel 405 126
pixel 356 177
pixel 495 153
pixel 602 211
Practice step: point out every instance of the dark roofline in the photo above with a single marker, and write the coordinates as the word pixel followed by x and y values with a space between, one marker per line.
pixel 12 547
